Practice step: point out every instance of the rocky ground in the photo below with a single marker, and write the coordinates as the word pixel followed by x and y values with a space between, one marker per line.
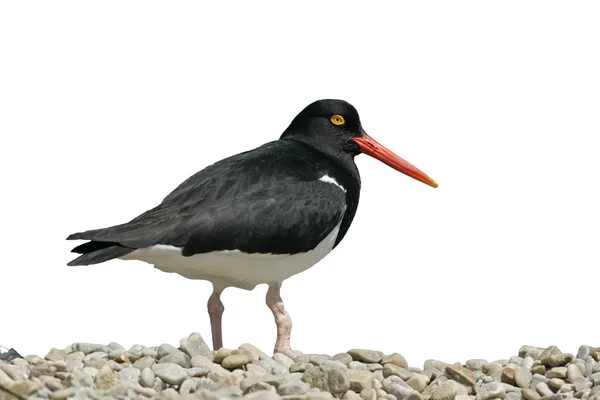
pixel 193 371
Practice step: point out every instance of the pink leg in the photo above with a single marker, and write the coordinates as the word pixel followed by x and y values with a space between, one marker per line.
pixel 215 311
pixel 282 320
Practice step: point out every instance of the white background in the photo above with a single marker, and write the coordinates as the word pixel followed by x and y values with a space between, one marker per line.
pixel 106 106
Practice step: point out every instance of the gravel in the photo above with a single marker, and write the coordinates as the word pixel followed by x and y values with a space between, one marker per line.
pixel 192 371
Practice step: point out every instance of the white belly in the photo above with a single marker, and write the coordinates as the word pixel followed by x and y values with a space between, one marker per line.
pixel 234 268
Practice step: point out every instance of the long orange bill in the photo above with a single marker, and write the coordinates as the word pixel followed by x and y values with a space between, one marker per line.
pixel 371 147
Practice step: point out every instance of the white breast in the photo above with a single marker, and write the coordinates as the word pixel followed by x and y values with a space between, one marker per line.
pixel 233 267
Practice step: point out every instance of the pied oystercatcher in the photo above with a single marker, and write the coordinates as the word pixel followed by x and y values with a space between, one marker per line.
pixel 257 217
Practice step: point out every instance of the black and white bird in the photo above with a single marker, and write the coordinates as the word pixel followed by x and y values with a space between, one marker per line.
pixel 257 217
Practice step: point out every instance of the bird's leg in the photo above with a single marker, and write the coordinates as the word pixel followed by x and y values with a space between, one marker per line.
pixel 282 320
pixel 215 311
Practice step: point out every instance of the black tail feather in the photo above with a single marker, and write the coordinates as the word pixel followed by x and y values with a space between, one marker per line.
pixel 97 252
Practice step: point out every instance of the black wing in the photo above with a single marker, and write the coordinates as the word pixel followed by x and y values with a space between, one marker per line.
pixel 268 200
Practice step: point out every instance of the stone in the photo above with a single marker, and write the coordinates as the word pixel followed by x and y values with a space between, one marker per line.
pixel 556 383
pixel 351 395
pixel 366 356
pixel 328 378
pixel 198 372
pixel 553 357
pixel 508 376
pixel 574 373
pixel 63 394
pixel 434 368
pixel 195 345
pixel 177 357
pixel 206 383
pixel 236 360
pixel 300 367
pixel 397 387
pixel 23 388
pixel 448 390
pixel 292 388
pixel 583 352
pixel 595 353
pixel 529 351
pixel 492 390
pixel 188 386
pixel 394 370
pixel 360 380
pixel 52 356
pixel 170 373
pixel 475 364
pixel 461 374
pixel 318 396
pixel 543 389
pixel 318 359
pixel 163 350
pixel 147 377
pixel 357 365
pixel 530 394
pixel 88 348
pixel 537 378
pixel 105 378
pixel 74 361
pixel 516 360
pixel 523 377
pixel 15 372
pixel 418 382
pixel 396 359
pixel 557 372
pixel 527 363
pixel 283 359
pixel 129 374
pixel 52 383
pixel 344 358
pixel 538 369
pixel 144 362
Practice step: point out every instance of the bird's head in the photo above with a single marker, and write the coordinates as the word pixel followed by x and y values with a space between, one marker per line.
pixel 333 126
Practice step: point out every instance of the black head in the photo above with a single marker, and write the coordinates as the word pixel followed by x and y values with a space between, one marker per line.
pixel 328 124
pixel 333 128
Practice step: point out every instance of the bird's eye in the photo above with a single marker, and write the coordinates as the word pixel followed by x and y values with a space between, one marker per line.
pixel 338 120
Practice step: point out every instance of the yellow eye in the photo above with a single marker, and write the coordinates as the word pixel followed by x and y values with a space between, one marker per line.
pixel 337 120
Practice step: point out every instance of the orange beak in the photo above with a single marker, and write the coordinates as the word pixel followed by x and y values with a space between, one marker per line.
pixel 371 147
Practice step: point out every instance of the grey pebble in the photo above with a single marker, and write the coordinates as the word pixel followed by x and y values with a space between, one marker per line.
pixel 557 372
pixel 530 394
pixel 475 364
pixel 391 369
pixel 344 358
pixel 170 373
pixel 129 374
pixel 195 345
pixel 543 389
pixel 88 348
pixel 293 387
pixel 283 359
pixel 492 390
pixel 206 383
pixel 327 377
pixel 360 380
pixel 366 356
pixel 188 386
pixel 177 357
pixel 523 377
pixel 448 390
pixel 147 377
pixel 63 394
pixel 144 362
pixel 236 360
pixel 527 363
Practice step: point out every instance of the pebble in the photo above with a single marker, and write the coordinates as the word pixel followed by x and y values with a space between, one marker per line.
pixel 530 394
pixel 147 377
pixel 396 359
pixel 360 380
pixel 88 348
pixel 475 364
pixel 129 374
pixel 557 372
pixel 553 357
pixel 170 373
pixel 194 345
pixel 523 377
pixel 236 360
pixel 392 369
pixel 461 374
pixel 492 390
pixel 177 357
pixel 543 389
pixel 328 378
pixel 448 390
pixel 418 382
